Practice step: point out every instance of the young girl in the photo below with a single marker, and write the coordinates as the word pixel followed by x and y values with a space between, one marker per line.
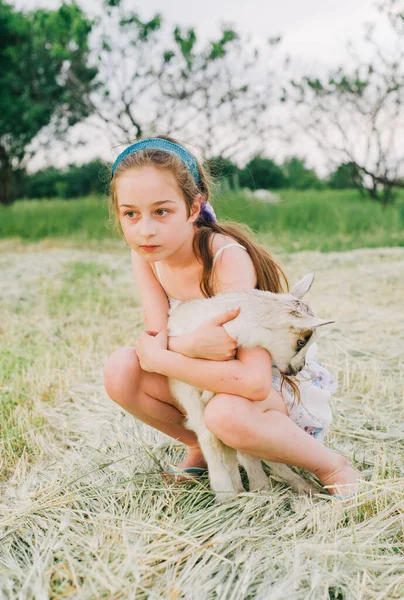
pixel 160 197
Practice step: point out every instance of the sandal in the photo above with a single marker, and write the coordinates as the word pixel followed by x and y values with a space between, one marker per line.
pixel 343 498
pixel 184 474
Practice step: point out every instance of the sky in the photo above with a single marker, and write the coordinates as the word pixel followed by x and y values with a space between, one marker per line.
pixel 314 34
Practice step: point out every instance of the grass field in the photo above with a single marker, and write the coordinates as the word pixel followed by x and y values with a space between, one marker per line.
pixel 310 220
pixel 85 513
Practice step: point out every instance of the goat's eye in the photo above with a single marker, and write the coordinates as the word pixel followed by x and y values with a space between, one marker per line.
pixel 301 343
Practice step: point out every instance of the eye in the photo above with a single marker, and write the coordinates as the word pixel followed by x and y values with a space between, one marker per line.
pixel 130 214
pixel 159 210
pixel 301 343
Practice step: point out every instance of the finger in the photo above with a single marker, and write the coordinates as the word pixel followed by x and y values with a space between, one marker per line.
pixel 163 334
pixel 227 316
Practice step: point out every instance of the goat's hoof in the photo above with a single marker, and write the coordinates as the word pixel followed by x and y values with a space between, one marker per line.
pixel 303 487
pixel 256 484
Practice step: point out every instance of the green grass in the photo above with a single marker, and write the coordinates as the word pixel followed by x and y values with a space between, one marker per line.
pixel 325 221
pixel 309 220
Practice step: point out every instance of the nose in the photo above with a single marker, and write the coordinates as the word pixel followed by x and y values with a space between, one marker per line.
pixel 293 370
pixel 147 228
pixel 289 371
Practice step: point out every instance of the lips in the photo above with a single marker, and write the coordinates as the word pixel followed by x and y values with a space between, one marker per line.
pixel 149 247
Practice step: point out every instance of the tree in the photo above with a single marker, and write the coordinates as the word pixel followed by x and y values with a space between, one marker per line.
pixel 262 173
pixel 298 176
pixel 345 176
pixel 223 169
pixel 356 114
pixel 152 81
pixel 43 55
pixel 71 182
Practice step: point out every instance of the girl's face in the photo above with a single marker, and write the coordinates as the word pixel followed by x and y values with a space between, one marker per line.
pixel 153 212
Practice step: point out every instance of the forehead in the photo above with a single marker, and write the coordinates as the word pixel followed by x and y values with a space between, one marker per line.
pixel 146 185
pixel 300 308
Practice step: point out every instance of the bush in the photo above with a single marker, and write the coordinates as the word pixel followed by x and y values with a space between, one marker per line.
pixel 299 177
pixel 262 173
pixel 75 181
pixel 344 177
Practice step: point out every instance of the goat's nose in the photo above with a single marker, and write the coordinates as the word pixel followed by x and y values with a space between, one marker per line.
pixel 293 370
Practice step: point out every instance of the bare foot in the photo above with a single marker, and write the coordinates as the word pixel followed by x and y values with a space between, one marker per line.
pixel 194 458
pixel 341 480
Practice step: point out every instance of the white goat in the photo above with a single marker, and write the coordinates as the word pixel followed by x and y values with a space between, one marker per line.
pixel 281 324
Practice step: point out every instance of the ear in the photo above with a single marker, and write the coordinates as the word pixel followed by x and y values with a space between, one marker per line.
pixel 195 208
pixel 302 286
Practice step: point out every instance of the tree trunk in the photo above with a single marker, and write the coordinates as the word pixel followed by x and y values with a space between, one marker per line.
pixel 6 179
pixel 388 196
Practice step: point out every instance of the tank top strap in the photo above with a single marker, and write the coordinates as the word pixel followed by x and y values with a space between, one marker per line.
pixel 158 274
pixel 216 256
pixel 223 248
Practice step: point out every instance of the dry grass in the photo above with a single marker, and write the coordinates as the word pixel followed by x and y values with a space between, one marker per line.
pixel 84 511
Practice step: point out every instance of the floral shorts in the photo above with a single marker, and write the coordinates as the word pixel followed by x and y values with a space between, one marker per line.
pixel 316 385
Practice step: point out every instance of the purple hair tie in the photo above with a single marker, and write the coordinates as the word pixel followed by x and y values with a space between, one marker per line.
pixel 207 212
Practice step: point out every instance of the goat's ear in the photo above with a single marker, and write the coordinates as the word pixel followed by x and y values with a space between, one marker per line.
pixel 302 286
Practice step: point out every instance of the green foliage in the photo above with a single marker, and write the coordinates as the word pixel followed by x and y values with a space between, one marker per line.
pixel 44 75
pixel 356 110
pixel 73 182
pixel 185 43
pixel 219 48
pixel 340 83
pixel 345 176
pixel 262 173
pixel 223 169
pixel 298 176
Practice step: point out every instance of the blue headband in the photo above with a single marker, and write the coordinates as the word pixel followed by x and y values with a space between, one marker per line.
pixel 161 144
pixel 207 211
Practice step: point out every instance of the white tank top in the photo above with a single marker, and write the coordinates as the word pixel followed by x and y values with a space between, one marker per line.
pixel 174 301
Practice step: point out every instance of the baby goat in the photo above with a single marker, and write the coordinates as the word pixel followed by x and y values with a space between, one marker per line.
pixel 282 325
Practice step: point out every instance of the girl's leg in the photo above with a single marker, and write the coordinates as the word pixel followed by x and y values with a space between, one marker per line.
pixel 147 397
pixel 256 428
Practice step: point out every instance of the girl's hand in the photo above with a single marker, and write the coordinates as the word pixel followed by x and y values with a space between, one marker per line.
pixel 211 341
pixel 148 346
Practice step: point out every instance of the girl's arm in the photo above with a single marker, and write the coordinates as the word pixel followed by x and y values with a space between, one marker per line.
pixel 155 303
pixel 153 297
pixel 250 375
pixel 155 315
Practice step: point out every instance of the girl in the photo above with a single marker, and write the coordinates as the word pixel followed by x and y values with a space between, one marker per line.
pixel 160 197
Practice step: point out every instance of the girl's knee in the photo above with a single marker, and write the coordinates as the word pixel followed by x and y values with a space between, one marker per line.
pixel 122 369
pixel 224 421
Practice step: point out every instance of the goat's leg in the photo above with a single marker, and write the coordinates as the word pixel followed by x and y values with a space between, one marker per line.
pixel 253 466
pixel 224 475
pixel 296 482
pixel 231 463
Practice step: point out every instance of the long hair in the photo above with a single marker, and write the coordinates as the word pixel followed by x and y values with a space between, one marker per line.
pixel 270 276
